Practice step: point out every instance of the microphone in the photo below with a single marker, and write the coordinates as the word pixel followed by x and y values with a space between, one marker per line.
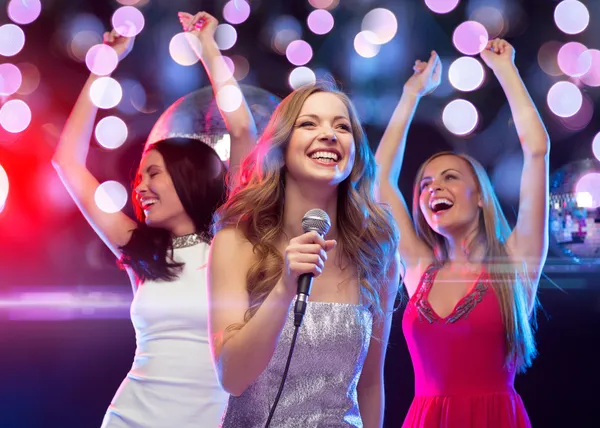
pixel 314 220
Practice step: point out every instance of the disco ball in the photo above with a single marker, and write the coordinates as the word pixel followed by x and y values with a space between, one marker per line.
pixel 575 215
pixel 197 116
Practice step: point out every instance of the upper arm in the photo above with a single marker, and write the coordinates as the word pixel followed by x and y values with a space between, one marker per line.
pixel 529 239
pixel 114 229
pixel 230 258
pixel 413 251
pixel 372 372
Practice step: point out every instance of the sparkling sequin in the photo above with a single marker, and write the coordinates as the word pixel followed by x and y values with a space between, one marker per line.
pixel 189 240
pixel 320 389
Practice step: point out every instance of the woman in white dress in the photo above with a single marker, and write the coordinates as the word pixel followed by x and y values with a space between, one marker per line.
pixel 179 184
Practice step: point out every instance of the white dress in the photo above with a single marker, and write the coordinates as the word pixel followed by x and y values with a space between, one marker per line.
pixel 172 382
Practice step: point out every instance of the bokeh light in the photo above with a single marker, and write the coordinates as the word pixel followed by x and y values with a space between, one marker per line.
pixel 24 12
pixel 564 99
pixel 323 4
pixel 491 18
pixel 223 70
pixel 3 188
pixel 574 59
pixel 82 43
pixel 225 36
pixel 590 183
pixel 284 30
pixel 470 38
pixel 101 59
pixel 12 39
pixel 581 118
pixel 134 96
pixel 299 52
pixel 10 79
pixel 111 132
pixel 466 74
pixel 571 16
pixel 229 98
pixel 320 21
pixel 548 58
pixel 111 196
pixel 366 44
pixel 30 78
pixel 596 146
pixel 236 11
pixel 15 116
pixel 301 76
pixel 106 92
pixel 180 49
pixel 441 6
pixel 241 67
pixel 382 23
pixel 223 147
pixel 128 21
pixel 592 76
pixel 460 117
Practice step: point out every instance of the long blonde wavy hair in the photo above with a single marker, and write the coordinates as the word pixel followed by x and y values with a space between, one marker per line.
pixel 510 281
pixel 367 236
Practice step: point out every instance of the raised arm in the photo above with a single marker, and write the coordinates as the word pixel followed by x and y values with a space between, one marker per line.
pixel 389 156
pixel 371 393
pixel 241 355
pixel 240 123
pixel 70 161
pixel 529 240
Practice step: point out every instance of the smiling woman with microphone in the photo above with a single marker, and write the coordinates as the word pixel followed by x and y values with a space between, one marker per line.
pixel 311 174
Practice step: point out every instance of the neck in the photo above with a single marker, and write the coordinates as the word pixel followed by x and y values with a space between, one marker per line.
pixel 463 249
pixel 182 227
pixel 301 198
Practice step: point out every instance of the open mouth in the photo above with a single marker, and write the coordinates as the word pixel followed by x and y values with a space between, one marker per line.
pixel 327 157
pixel 148 203
pixel 440 205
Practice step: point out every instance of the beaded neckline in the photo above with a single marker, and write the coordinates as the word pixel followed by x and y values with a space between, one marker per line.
pixel 189 240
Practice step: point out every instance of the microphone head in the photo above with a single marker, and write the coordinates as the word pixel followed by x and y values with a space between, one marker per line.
pixel 317 220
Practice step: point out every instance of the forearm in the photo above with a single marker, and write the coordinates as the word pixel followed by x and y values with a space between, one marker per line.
pixel 390 153
pixel 532 133
pixel 371 404
pixel 240 121
pixel 74 142
pixel 247 353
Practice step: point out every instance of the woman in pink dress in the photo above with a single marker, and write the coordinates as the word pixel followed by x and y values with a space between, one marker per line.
pixel 472 281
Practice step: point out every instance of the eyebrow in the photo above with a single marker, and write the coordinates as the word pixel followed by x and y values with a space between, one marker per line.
pixel 443 172
pixel 314 116
pixel 147 169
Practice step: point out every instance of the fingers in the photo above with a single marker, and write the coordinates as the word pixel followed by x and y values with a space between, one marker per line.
pixel 434 61
pixel 498 46
pixel 194 22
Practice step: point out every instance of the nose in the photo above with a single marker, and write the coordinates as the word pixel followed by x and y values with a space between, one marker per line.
pixel 434 187
pixel 141 188
pixel 328 136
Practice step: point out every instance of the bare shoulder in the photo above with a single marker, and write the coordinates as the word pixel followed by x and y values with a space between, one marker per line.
pixel 231 245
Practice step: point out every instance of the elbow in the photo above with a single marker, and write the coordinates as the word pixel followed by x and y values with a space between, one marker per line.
pixel 243 130
pixel 232 384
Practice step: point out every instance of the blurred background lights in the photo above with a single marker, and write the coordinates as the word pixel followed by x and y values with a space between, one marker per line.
pixel 236 11
pixel 24 11
pixel 299 52
pixel 571 16
pixel 564 99
pixel 548 58
pixel 323 4
pixel 366 44
pixel 382 23
pixel 229 98
pixel 180 48
pixel 492 20
pixel 574 59
pixel 111 132
pixel 596 146
pixel 241 67
pixel 460 117
pixel 320 21
pixel 12 39
pixel 441 6
pixel 101 59
pixel 592 76
pixel 128 21
pixel 590 184
pixel 225 36
pixel 30 78
pixel 10 79
pixel 3 187
pixel 301 76
pixel 15 116
pixel 106 92
pixel 111 196
pixel 470 38
pixel 466 74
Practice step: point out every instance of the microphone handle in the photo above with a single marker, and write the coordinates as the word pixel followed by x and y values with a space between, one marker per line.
pixel 304 284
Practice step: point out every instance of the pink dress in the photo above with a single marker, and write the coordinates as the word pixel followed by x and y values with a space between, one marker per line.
pixel 461 380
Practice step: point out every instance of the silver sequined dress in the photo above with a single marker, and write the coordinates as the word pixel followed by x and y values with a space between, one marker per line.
pixel 320 389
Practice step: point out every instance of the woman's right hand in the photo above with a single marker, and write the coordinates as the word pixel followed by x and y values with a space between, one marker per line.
pixel 121 44
pixel 306 253
pixel 427 76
